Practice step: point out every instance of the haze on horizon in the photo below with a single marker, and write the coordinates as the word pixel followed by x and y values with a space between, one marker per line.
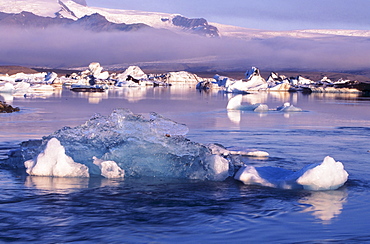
pixel 67 48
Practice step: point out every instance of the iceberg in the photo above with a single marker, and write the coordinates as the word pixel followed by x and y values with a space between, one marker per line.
pixel 329 175
pixel 127 144
pixel 287 107
pixel 135 72
pixel 235 103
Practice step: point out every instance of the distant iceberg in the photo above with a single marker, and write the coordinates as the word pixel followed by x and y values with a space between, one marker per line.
pixel 235 103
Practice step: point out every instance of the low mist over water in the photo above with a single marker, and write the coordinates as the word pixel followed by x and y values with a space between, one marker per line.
pixel 60 48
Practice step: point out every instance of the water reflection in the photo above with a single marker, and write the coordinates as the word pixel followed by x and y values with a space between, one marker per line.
pixel 132 94
pixel 92 97
pixel 334 96
pixel 324 205
pixel 244 103
pixel 9 97
pixel 234 116
pixel 66 185
pixel 6 97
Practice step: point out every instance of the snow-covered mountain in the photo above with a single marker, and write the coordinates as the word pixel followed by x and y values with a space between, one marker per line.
pixel 42 13
pixel 76 9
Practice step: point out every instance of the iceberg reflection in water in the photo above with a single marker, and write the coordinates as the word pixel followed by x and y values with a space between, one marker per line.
pixel 324 205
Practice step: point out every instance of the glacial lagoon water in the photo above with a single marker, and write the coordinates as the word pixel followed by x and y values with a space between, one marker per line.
pixel 157 210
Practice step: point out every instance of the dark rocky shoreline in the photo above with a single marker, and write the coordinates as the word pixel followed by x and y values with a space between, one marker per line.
pixel 6 108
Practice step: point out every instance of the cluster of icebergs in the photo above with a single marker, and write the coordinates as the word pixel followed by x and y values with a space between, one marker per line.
pixel 254 82
pixel 91 79
pixel 20 84
pixel 95 79
pixel 129 145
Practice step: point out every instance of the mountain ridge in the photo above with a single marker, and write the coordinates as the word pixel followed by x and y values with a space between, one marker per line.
pixel 76 9
pixel 65 12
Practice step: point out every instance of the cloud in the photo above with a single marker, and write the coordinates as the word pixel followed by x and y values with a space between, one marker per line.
pixel 60 48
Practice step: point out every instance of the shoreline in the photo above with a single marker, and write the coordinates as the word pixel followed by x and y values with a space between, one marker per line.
pixel 362 76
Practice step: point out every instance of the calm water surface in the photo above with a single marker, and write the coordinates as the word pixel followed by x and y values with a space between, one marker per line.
pixel 147 210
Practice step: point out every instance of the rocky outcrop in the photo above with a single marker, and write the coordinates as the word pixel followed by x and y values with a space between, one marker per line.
pixel 6 108
pixel 197 26
pixel 94 22
pixel 99 23
pixel 27 19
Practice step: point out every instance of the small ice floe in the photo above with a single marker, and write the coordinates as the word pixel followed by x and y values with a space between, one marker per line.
pixel 220 150
pixel 54 162
pixel 235 103
pixel 287 107
pixel 251 153
pixel 6 88
pixel 329 175
pixel 109 169
pixel 41 88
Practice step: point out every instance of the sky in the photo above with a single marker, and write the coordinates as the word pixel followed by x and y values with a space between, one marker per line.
pixel 260 14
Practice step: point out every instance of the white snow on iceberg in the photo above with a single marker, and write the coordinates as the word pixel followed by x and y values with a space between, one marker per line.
pixel 329 175
pixel 109 169
pixel 54 162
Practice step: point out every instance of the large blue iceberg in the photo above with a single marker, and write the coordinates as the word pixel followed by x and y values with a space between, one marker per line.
pixel 139 146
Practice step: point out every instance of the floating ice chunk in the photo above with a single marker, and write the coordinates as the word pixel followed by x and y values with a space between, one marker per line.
pixel 220 150
pixel 7 88
pixel 261 107
pixel 265 176
pixel 251 153
pixel 50 77
pixel 152 147
pixel 22 87
pixel 235 103
pixel 95 69
pixel 134 71
pixel 54 162
pixel 287 107
pixel 329 175
pixel 109 169
pixel 218 167
pixel 103 75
